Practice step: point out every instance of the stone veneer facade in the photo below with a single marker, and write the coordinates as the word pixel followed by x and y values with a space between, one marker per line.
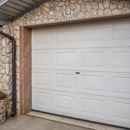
pixel 52 11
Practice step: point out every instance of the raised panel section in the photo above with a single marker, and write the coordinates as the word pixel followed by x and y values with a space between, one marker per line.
pixel 122 59
pixel 65 102
pixel 65 59
pixel 41 36
pixel 65 80
pixel 95 83
pixel 93 106
pixel 92 33
pixel 93 59
pixel 41 79
pixel 121 84
pixel 41 58
pixel 41 98
pixel 121 31
pixel 121 110
pixel 65 35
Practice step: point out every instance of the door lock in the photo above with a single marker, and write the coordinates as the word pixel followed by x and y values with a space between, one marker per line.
pixel 77 72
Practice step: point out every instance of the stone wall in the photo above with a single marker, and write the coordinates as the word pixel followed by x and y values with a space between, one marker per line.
pixel 5 69
pixel 55 11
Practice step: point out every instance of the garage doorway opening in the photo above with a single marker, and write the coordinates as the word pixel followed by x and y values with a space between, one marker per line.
pixel 75 66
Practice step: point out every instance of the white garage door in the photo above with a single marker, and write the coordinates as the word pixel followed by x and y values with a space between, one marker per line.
pixel 83 70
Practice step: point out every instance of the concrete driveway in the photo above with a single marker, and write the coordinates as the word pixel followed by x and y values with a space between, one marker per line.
pixel 34 123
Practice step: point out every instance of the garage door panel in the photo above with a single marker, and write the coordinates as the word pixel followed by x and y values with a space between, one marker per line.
pixel 65 37
pixel 104 34
pixel 86 39
pixel 121 110
pixel 43 59
pixel 104 83
pixel 96 60
pixel 64 81
pixel 54 80
pixel 61 79
pixel 52 37
pixel 100 107
pixel 41 100
pixel 92 107
pixel 42 79
pixel 54 59
pixel 102 59
pixel 87 107
pixel 65 102
pixel 65 59
pixel 42 38
pixel 121 84
pixel 121 59
pixel 98 83
pixel 83 70
pixel 105 59
pixel 92 32
pixel 58 101
pixel 121 31
pixel 114 109
pixel 94 83
pixel 93 59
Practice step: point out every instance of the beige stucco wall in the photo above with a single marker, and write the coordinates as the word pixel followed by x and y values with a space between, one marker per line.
pixel 63 10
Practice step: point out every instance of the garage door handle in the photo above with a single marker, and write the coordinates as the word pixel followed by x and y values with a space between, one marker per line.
pixel 77 72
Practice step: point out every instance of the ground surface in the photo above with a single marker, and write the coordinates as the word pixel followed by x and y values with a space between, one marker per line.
pixel 33 123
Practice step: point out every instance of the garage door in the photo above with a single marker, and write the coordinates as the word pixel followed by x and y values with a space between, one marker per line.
pixel 82 70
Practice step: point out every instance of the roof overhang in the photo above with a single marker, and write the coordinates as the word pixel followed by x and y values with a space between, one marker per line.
pixel 3 2
pixel 3 21
pixel 12 9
